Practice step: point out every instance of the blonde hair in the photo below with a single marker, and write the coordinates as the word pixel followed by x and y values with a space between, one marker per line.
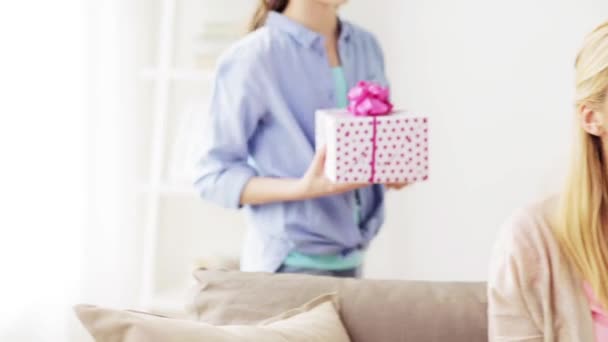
pixel 582 226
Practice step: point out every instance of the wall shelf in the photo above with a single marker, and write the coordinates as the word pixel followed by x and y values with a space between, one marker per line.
pixel 193 75
pixel 180 41
pixel 168 189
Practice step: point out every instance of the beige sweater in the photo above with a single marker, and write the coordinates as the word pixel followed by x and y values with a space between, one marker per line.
pixel 533 292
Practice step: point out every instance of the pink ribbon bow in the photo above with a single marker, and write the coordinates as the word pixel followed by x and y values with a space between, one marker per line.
pixel 369 99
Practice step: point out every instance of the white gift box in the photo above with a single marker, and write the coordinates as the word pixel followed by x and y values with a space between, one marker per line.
pixel 376 149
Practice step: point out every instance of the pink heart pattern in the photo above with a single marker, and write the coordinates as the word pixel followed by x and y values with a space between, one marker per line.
pixel 402 152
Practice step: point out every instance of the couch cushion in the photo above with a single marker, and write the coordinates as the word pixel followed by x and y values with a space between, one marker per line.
pixel 372 310
pixel 315 321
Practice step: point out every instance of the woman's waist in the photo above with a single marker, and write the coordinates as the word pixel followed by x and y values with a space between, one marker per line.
pixel 323 238
pixel 336 261
pixel 309 244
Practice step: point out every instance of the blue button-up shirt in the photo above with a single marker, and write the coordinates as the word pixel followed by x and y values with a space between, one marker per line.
pixel 267 89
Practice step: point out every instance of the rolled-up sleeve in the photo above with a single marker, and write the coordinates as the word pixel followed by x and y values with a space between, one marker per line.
pixel 235 110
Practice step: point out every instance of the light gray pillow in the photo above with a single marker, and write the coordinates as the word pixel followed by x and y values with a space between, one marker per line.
pixel 317 320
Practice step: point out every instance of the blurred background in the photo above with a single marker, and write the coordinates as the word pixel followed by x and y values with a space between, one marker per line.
pixel 103 110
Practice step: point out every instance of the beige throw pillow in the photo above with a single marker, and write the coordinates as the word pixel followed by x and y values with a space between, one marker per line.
pixel 317 320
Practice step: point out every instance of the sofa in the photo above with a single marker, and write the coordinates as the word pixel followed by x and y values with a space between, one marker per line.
pixel 230 306
pixel 371 310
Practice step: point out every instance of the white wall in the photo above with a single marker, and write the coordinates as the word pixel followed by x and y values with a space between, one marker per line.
pixel 43 149
pixel 497 79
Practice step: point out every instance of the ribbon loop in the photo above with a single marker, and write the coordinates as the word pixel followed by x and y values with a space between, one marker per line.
pixel 369 99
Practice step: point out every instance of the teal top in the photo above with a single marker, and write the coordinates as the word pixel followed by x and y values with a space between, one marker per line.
pixel 332 262
pixel 340 86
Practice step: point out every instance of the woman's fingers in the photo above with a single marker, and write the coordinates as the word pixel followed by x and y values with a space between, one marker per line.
pixel 318 162
pixel 396 186
pixel 345 187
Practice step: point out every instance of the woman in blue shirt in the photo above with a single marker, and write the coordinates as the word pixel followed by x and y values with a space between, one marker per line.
pixel 299 57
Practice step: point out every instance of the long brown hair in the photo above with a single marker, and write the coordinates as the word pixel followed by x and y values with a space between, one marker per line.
pixel 265 6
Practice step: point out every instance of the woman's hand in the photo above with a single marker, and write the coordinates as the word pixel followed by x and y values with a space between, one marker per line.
pixel 263 190
pixel 315 184
pixel 396 186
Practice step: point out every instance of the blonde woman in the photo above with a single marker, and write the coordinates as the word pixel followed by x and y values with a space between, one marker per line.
pixel 549 272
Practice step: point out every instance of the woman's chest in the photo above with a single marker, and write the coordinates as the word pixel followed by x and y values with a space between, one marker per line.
pixel 305 82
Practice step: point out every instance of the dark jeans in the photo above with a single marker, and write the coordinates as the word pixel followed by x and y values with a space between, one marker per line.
pixel 351 273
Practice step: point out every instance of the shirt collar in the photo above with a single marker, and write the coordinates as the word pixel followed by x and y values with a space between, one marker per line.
pixel 300 33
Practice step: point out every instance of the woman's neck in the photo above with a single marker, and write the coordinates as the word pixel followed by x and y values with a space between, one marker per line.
pixel 316 16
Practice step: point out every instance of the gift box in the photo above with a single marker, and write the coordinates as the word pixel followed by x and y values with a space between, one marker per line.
pixel 370 142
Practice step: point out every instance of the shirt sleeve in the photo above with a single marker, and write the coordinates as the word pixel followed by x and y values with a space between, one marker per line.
pixel 235 110
pixel 511 298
